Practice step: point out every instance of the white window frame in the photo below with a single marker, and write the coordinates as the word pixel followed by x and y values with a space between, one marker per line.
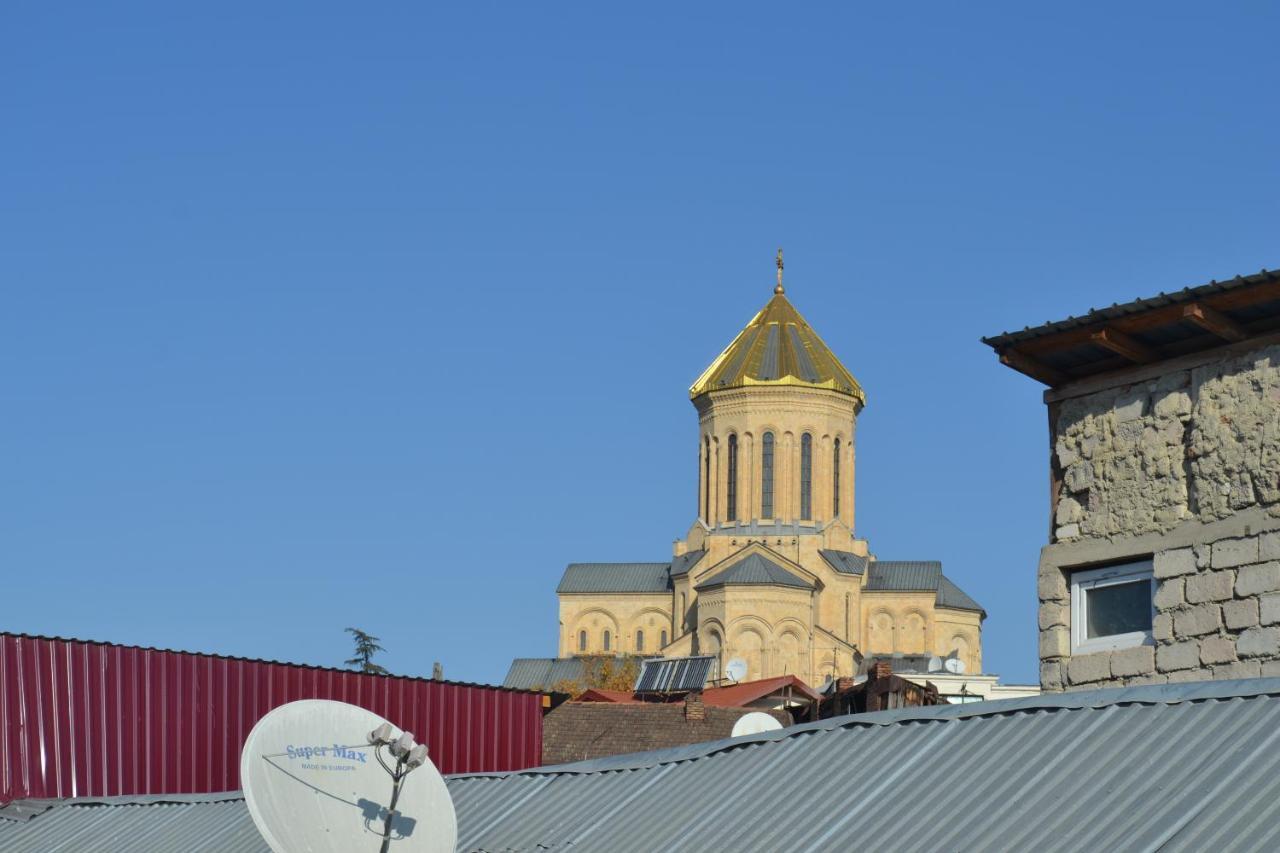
pixel 1087 579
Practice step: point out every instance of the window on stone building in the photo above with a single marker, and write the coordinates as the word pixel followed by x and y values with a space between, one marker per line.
pixel 731 492
pixel 582 641
pixel 663 640
pixel 608 641
pixel 835 481
pixel 766 476
pixel 806 476
pixel 1111 607
pixel 639 640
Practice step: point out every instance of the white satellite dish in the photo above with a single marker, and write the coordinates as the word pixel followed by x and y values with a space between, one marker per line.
pixel 736 669
pixel 826 684
pixel 955 666
pixel 313 782
pixel 755 723
pixel 935 664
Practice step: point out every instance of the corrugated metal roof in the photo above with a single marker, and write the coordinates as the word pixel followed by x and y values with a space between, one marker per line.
pixel 542 673
pixel 754 569
pixel 615 577
pixel 903 575
pixel 681 565
pixel 1137 306
pixel 674 675
pixel 950 595
pixel 845 562
pixel 1184 767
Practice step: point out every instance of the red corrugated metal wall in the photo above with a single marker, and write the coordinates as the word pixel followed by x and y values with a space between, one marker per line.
pixel 84 719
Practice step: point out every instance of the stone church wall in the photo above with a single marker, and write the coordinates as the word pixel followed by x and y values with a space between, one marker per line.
pixel 1184 469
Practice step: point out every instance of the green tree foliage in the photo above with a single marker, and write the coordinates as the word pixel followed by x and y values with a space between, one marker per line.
pixel 366 646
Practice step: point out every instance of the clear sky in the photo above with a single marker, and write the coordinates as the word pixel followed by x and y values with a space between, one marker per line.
pixel 316 315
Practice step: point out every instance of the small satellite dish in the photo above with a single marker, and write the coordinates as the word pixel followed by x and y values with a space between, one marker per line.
pixel 313 781
pixel 826 684
pixel 736 669
pixel 755 723
pixel 935 664
pixel 955 666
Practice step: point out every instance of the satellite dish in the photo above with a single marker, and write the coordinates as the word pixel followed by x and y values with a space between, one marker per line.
pixel 755 723
pixel 313 781
pixel 736 669
pixel 826 684
pixel 935 664
pixel 955 666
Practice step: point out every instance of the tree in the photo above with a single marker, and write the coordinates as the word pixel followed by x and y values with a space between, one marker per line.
pixel 604 672
pixel 366 647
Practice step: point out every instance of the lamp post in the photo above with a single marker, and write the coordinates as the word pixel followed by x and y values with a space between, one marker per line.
pixel 407 755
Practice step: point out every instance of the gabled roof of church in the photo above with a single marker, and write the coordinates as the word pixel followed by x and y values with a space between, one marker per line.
pixel 845 562
pixel 778 348
pixel 755 569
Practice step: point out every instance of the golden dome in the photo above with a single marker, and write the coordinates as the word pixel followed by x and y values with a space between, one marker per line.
pixel 778 348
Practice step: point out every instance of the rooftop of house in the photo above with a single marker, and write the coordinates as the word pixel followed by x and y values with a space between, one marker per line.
pixel 1174 767
pixel 1144 331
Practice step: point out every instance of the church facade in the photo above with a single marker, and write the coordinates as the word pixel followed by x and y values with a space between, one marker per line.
pixel 771 572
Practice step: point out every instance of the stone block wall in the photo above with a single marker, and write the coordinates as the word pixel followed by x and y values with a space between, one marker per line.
pixel 1183 469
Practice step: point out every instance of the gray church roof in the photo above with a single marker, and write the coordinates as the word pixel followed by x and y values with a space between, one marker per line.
pixel 845 562
pixel 1170 767
pixel 754 569
pixel 681 565
pixel 616 577
pixel 919 576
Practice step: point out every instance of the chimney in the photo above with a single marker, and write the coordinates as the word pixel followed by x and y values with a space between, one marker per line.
pixel 437 671
pixel 883 669
pixel 844 685
pixel 693 709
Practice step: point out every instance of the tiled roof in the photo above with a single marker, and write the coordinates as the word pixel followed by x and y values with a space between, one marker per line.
pixel 845 562
pixel 754 569
pixel 615 577
pixel 1175 768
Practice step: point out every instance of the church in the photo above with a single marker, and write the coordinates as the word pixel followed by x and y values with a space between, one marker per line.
pixel 771 573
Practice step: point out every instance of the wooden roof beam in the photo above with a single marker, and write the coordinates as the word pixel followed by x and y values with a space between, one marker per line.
pixel 1037 370
pixel 1123 345
pixel 1214 322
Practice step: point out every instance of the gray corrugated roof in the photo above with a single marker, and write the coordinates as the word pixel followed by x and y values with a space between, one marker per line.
pixel 681 565
pixel 615 577
pixel 1183 767
pixel 845 562
pixel 542 673
pixel 950 595
pixel 903 575
pixel 1095 315
pixel 755 569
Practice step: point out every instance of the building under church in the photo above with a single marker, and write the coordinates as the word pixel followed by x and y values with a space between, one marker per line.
pixel 772 572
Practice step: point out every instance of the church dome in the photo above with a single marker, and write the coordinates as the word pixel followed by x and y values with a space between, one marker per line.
pixel 778 348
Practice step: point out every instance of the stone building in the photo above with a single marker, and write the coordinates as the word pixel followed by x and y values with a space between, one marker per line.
pixel 1163 562
pixel 771 571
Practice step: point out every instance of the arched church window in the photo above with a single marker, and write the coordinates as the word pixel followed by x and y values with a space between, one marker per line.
pixel 732 492
pixel 639 640
pixel 835 480
pixel 582 641
pixel 766 476
pixel 806 476
pixel 663 640
pixel 608 640
pixel 706 480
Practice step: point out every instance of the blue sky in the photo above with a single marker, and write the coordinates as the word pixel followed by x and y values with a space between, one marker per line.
pixel 316 315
